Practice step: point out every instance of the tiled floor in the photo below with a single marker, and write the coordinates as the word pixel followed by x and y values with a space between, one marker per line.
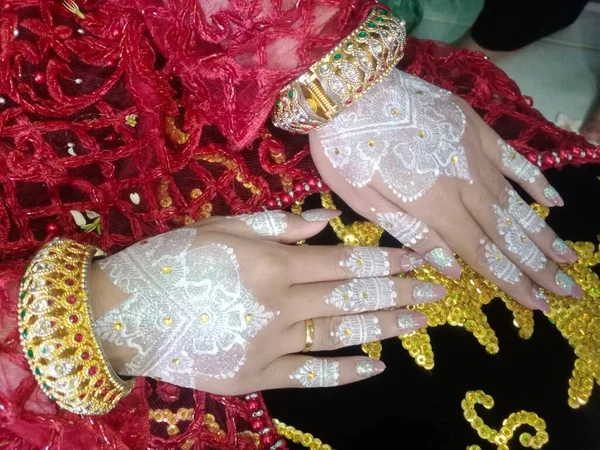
pixel 560 72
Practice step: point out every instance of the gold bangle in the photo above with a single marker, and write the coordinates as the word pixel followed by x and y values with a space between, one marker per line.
pixel 309 328
pixel 343 75
pixel 55 325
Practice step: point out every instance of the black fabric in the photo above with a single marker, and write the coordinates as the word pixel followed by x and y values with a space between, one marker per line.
pixel 505 25
pixel 407 407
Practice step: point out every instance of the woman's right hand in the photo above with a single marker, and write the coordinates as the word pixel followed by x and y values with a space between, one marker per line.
pixel 221 306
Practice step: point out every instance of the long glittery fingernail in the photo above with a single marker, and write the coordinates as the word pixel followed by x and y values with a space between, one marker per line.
pixel 562 250
pixel 366 368
pixel 442 260
pixel 568 285
pixel 540 300
pixel 428 292
pixel 409 321
pixel 320 215
pixel 553 196
pixel 411 262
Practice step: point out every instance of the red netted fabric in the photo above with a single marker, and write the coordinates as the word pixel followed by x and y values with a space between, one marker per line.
pixel 137 123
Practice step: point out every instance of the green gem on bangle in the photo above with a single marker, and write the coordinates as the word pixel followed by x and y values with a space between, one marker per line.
pixel 337 56
pixel 22 313
pixel 383 11
pixel 371 25
pixel 24 334
pixel 30 353
pixel 45 386
pixel 38 371
pixel 290 94
pixel 52 399
pixel 22 295
pixel 362 34
pixel 380 19
pixel 277 103
pixel 23 280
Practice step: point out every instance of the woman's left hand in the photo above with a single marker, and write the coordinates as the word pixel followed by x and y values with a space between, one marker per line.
pixel 421 163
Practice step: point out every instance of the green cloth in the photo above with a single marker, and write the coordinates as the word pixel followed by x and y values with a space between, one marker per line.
pixel 408 10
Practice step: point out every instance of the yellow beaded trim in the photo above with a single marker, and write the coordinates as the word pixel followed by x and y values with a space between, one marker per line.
pixel 298 437
pixel 578 321
pixel 56 331
pixel 502 437
pixel 343 75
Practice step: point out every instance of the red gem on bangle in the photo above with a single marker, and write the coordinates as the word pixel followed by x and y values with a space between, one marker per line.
pixel 99 383
pixel 349 101
pixel 371 78
pixel 52 323
pixel 70 266
pixel 104 391
pixel 69 282
pixel 93 371
pixel 257 424
pixel 85 355
pixel 359 89
pixel 253 405
pixel 78 337
pixel 82 396
pixel 71 299
pixel 112 397
pixel 71 255
pixel 267 439
pixel 74 319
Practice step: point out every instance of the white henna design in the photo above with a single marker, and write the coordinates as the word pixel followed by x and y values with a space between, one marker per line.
pixel 500 265
pixel 527 217
pixel 188 314
pixel 406 229
pixel 405 129
pixel 367 262
pixel 317 373
pixel 267 223
pixel 364 294
pixel 357 330
pixel 517 241
pixel 517 163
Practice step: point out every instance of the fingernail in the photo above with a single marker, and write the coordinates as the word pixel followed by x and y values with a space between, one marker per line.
pixel 442 260
pixel 319 215
pixel 568 285
pixel 409 321
pixel 366 368
pixel 411 262
pixel 553 196
pixel 561 249
pixel 540 300
pixel 428 292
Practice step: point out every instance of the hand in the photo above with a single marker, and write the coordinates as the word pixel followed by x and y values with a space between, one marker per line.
pixel 221 306
pixel 421 163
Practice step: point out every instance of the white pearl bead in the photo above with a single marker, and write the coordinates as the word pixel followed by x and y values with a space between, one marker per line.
pixel 78 80
pixel 80 31
pixel 16 32
pixel 70 144
pixel 2 100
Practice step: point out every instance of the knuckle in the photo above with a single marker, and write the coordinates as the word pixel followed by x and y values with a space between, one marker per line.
pixel 482 252
pixel 331 340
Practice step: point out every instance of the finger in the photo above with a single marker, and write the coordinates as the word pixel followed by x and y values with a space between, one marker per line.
pixel 335 332
pixel 359 295
pixel 536 228
pixel 296 371
pixel 279 226
pixel 517 168
pixel 315 263
pixel 477 250
pixel 414 234
pixel 504 230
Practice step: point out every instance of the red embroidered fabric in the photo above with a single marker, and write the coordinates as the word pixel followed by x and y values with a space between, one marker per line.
pixel 151 116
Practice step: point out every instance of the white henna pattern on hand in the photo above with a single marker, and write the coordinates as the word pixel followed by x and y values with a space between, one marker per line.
pixel 188 314
pixel 357 330
pixel 367 262
pixel 267 223
pixel 406 229
pixel 517 163
pixel 317 373
pixel 500 265
pixel 364 294
pixel 405 129
pixel 525 215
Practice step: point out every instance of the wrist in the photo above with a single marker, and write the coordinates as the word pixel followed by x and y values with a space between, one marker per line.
pixel 104 296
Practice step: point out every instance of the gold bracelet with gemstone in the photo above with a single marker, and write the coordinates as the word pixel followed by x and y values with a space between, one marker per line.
pixel 56 331
pixel 343 75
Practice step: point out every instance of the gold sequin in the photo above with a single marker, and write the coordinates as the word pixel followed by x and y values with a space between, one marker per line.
pixel 195 193
pixel 501 437
pixel 307 440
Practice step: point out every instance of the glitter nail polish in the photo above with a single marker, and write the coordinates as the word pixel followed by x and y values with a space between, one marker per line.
pixel 366 368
